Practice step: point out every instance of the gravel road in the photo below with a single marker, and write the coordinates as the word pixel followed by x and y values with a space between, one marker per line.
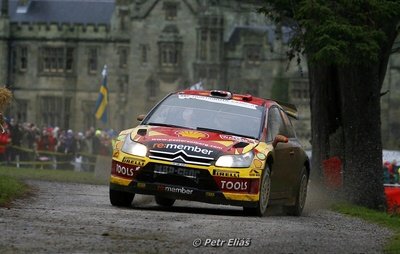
pixel 78 218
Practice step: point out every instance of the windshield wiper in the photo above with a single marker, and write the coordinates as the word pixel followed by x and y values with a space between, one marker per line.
pixel 167 125
pixel 223 132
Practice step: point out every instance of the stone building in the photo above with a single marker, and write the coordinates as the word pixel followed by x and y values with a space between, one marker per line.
pixel 53 52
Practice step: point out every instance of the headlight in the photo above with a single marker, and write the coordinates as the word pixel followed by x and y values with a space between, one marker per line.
pixel 235 161
pixel 133 147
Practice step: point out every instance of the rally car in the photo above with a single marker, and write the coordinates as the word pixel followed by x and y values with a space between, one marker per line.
pixel 215 147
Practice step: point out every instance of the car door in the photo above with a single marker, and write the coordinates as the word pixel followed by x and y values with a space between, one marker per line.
pixel 296 163
pixel 283 155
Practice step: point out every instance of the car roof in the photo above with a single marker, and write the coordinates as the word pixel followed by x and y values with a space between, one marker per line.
pixel 248 98
pixel 290 109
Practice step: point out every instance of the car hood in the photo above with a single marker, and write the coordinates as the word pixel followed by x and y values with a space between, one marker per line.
pixel 193 142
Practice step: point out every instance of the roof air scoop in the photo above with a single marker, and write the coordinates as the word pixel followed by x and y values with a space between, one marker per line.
pixel 142 132
pixel 221 94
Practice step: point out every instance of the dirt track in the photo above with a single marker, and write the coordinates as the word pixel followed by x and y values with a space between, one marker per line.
pixel 77 218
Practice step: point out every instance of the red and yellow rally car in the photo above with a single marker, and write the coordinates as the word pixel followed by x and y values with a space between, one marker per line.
pixel 214 147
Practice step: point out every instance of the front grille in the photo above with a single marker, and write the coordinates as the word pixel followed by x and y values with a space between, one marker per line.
pixel 180 156
pixel 174 175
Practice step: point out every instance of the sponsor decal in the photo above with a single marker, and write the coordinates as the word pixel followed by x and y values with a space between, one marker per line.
pixel 192 134
pixel 257 163
pixel 116 153
pixel 125 169
pixel 255 172
pixel 171 170
pixel 261 156
pixel 191 142
pixel 190 148
pixel 118 144
pixel 141 185
pixel 179 164
pixel 218 100
pixel 210 194
pixel 235 185
pixel 133 161
pixel 180 190
pixel 225 173
pixel 236 138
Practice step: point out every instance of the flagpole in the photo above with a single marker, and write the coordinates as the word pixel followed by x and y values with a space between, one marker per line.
pixel 102 100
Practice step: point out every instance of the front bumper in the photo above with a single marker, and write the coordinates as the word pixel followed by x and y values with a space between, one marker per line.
pixel 210 184
pixel 184 193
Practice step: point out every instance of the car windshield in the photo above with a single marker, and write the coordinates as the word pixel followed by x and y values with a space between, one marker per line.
pixel 208 113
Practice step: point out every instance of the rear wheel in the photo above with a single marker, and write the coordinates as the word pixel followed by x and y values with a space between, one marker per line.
pixel 265 189
pixel 121 198
pixel 301 196
pixel 168 202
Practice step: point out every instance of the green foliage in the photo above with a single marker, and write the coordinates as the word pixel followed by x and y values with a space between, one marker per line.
pixel 338 32
pixel 10 188
pixel 381 218
pixel 280 88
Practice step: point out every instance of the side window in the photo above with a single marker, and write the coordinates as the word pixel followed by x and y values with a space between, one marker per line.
pixel 275 124
pixel 289 127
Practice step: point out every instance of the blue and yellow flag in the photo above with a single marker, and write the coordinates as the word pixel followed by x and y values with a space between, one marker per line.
pixel 102 100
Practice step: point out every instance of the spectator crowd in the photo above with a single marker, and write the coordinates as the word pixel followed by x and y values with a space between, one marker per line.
pixel 52 146
pixel 391 172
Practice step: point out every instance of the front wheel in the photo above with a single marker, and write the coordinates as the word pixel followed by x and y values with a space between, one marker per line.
pixel 265 189
pixel 301 196
pixel 121 198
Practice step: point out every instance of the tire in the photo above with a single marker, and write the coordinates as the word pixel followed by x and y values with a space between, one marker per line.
pixel 301 195
pixel 121 198
pixel 265 189
pixel 167 202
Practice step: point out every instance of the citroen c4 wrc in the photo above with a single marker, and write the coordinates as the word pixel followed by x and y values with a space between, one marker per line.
pixel 214 147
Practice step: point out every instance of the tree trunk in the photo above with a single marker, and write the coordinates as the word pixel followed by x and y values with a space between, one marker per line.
pixel 363 175
pixel 345 122
pixel 325 116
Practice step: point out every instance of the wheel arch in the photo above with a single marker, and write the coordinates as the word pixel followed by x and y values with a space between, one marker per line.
pixel 270 161
pixel 308 167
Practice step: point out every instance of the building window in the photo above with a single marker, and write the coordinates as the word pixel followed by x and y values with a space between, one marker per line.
pixel 92 60
pixel 56 60
pixel 253 54
pixel 55 111
pixel 170 54
pixel 23 58
pixel 143 53
pixel 203 44
pixel 209 44
pixel 123 57
pixel 171 10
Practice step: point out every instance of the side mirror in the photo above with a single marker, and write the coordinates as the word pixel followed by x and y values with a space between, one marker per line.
pixel 140 117
pixel 279 139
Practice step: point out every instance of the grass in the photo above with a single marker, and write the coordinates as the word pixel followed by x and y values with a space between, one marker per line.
pixel 381 218
pixel 12 186
pixel 51 175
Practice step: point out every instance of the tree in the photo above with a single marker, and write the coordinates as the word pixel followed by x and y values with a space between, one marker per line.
pixel 347 44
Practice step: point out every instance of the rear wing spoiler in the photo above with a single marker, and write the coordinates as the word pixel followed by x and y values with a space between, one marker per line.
pixel 290 109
